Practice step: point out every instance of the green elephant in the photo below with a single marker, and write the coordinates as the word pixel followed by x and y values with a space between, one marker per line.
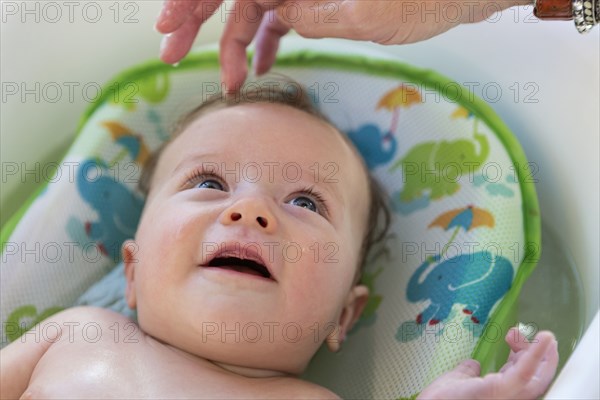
pixel 437 166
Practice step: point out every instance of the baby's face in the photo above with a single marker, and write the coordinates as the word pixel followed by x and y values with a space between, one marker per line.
pixel 234 184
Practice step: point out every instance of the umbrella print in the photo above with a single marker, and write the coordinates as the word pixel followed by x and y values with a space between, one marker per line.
pixel 132 142
pixel 401 97
pixel 468 218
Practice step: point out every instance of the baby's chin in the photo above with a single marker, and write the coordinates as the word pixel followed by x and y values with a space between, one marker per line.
pixel 257 344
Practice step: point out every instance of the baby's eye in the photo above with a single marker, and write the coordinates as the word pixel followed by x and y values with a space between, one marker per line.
pixel 205 180
pixel 312 200
pixel 210 184
pixel 304 202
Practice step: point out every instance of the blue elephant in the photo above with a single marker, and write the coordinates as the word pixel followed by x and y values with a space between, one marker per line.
pixel 369 140
pixel 118 209
pixel 475 281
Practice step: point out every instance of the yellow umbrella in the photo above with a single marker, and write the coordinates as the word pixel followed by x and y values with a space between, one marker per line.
pixel 468 217
pixel 403 96
pixel 131 142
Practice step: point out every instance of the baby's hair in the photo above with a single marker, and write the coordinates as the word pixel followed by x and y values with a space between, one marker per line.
pixel 379 217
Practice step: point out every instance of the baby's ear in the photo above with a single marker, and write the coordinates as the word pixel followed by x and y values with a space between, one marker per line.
pixel 354 306
pixel 129 250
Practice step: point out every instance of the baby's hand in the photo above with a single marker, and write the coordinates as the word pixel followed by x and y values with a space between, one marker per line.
pixel 526 375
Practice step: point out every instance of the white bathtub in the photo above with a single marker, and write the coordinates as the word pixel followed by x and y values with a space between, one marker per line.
pixel 548 75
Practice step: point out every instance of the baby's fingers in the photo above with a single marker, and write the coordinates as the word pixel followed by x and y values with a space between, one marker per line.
pixel 534 369
pixel 516 340
pixel 467 368
pixel 517 343
pixel 546 370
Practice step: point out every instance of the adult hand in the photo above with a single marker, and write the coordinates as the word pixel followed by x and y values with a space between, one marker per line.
pixel 526 375
pixel 380 21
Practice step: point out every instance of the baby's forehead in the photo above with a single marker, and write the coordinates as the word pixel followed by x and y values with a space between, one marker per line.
pixel 266 131
pixel 269 137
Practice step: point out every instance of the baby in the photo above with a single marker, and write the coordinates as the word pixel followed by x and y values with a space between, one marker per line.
pixel 258 218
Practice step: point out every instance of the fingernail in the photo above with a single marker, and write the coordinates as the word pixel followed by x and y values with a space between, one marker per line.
pixel 163 43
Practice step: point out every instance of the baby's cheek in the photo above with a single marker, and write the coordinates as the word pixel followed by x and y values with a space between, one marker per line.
pixel 324 286
pixel 153 239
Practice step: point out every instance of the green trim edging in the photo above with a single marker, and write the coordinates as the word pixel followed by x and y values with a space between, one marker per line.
pixel 383 69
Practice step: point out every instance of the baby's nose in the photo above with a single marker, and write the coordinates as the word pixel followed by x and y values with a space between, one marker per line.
pixel 250 212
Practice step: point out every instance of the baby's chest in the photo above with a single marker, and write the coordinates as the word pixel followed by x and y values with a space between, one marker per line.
pixel 78 370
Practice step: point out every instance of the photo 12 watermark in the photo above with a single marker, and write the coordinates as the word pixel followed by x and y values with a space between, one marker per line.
pixel 289 252
pixel 56 12
pixel 526 92
pixel 253 332
pixel 68 91
pixel 129 172
pixel 257 91
pixel 454 12
pixel 460 253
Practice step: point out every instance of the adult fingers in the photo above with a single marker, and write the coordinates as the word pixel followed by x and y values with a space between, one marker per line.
pixel 176 45
pixel 270 32
pixel 318 19
pixel 174 14
pixel 238 34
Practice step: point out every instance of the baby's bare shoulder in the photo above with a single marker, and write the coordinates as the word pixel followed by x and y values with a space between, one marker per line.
pixel 86 314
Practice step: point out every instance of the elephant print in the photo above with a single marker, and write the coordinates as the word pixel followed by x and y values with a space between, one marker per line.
pixel 475 281
pixel 435 167
pixel 118 209
pixel 376 147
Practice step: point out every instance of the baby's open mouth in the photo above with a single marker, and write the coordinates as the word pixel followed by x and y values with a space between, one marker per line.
pixel 241 265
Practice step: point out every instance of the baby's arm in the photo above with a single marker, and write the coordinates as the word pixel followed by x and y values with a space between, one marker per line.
pixel 19 359
pixel 526 375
